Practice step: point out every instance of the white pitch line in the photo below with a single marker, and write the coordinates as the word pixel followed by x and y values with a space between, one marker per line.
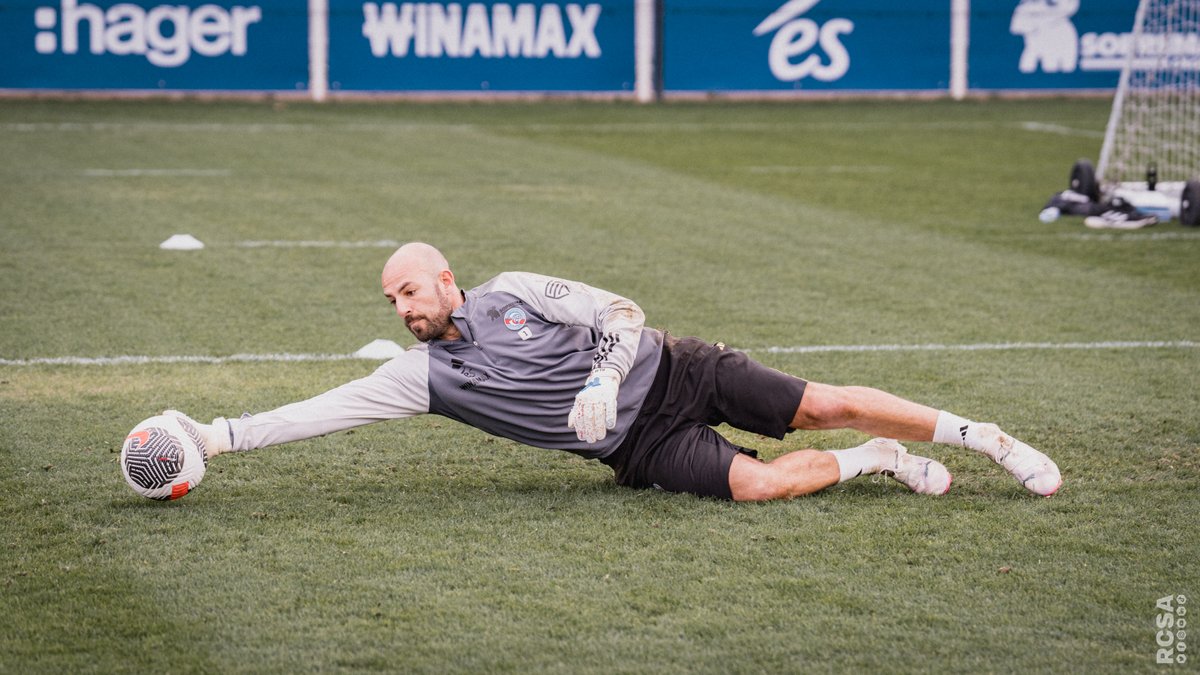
pixel 807 349
pixel 1129 236
pixel 227 127
pixel 147 360
pixel 980 347
pixel 149 126
pixel 291 243
pixel 121 173
pixel 831 168
pixel 1061 130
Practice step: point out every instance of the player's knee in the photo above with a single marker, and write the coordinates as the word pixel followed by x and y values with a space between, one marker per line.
pixel 827 407
pixel 753 481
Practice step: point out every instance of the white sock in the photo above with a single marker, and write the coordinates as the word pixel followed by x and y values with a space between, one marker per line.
pixel 861 461
pixel 951 429
pixel 980 437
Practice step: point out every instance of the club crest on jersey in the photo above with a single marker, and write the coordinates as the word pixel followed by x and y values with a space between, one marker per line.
pixel 514 319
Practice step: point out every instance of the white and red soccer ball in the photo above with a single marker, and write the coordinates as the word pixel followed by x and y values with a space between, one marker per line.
pixel 163 457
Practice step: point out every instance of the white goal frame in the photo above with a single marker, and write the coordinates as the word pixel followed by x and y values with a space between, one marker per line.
pixel 1155 118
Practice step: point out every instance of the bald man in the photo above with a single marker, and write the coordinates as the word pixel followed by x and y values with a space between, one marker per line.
pixel 559 364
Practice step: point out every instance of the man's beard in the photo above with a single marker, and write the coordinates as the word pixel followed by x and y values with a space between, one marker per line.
pixel 434 327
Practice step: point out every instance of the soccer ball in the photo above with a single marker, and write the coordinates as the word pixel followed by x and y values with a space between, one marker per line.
pixel 163 457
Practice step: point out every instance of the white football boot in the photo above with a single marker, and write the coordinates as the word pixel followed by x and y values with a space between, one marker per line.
pixel 1037 472
pixel 920 474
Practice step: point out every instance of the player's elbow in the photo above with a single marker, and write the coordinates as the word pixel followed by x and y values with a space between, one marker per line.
pixel 624 311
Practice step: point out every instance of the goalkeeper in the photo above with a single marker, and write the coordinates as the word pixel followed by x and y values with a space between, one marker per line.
pixel 558 364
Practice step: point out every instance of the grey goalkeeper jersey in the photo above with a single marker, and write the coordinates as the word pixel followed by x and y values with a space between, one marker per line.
pixel 529 343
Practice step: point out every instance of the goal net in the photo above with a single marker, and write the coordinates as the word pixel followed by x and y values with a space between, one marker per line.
pixel 1154 129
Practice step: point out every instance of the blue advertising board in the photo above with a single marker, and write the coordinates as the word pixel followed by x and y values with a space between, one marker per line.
pixel 383 45
pixel 561 46
pixel 103 44
pixel 763 45
pixel 1049 44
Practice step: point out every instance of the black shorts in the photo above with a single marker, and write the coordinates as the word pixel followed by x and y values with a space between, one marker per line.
pixel 672 445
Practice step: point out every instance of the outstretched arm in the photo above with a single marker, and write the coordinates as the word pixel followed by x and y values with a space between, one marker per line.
pixel 397 389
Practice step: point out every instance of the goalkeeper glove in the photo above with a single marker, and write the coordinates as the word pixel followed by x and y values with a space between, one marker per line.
pixel 216 436
pixel 595 408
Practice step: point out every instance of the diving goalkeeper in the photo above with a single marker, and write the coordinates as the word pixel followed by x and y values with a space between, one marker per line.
pixel 558 364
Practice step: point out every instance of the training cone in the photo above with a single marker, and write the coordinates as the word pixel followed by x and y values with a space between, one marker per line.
pixel 181 242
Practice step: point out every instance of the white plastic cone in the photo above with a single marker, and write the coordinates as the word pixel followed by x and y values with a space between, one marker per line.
pixel 181 242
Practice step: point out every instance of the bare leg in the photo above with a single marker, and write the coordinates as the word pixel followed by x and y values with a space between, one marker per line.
pixel 807 471
pixel 791 475
pixel 882 414
pixel 869 410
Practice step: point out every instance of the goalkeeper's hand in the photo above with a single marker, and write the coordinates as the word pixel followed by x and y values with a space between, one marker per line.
pixel 595 410
pixel 215 436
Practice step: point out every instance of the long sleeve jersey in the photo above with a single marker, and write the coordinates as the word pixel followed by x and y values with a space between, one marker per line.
pixel 529 343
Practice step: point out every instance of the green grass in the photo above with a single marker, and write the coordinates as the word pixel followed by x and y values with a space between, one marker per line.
pixel 426 546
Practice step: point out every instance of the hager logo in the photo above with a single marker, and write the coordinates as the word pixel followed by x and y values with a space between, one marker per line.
pixel 167 35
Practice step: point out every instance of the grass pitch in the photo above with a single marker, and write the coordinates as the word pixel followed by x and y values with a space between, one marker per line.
pixel 425 546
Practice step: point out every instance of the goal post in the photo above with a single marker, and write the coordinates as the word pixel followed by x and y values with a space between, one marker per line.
pixel 1152 142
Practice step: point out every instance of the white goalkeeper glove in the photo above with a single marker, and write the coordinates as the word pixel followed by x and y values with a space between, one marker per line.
pixel 216 436
pixel 595 410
